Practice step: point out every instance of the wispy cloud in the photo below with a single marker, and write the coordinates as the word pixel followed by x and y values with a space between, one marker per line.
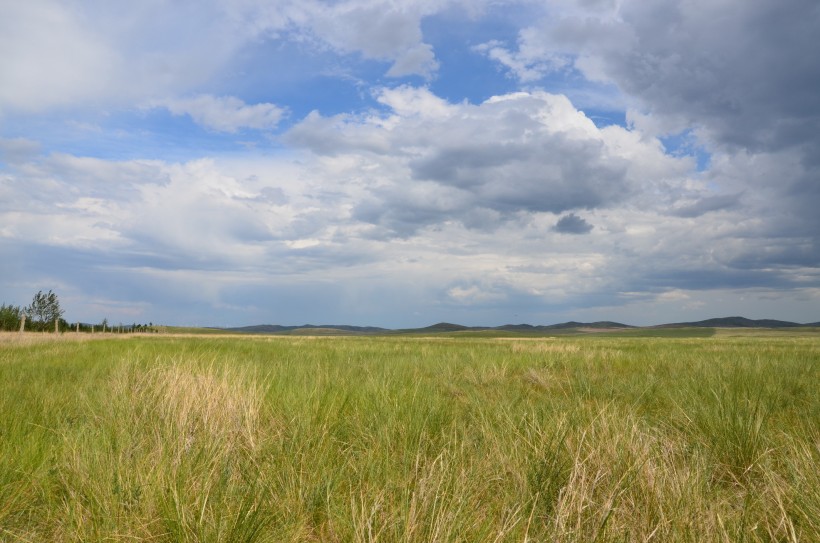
pixel 225 113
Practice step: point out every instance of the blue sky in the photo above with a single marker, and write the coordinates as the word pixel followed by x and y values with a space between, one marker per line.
pixel 403 163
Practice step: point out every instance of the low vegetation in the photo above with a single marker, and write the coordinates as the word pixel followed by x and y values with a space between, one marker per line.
pixel 409 439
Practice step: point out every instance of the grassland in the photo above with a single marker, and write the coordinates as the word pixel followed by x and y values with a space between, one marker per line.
pixel 595 438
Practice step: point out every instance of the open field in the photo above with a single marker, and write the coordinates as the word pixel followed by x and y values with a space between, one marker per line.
pixel 473 439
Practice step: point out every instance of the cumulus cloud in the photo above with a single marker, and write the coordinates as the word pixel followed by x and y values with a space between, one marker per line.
pixel 207 229
pixel 744 73
pixel 737 68
pixel 479 164
pixel 734 74
pixel 225 113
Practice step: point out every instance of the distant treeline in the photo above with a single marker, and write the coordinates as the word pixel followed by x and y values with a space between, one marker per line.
pixel 45 315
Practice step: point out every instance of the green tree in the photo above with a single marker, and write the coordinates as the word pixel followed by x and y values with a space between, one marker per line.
pixel 10 317
pixel 45 308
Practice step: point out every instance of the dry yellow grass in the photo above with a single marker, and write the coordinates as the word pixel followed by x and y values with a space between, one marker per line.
pixel 31 338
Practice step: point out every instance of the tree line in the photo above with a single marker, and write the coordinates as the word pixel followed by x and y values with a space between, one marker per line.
pixel 45 314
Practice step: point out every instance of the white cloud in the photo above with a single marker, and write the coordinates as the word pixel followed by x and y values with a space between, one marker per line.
pixel 96 53
pixel 737 68
pixel 734 77
pixel 475 294
pixel 407 101
pixel 225 113
pixel 531 61
pixel 675 296
pixel 49 56
pixel 431 161
pixel 418 60
pixel 382 30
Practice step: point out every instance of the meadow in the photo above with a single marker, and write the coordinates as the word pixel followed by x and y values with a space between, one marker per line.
pixel 409 439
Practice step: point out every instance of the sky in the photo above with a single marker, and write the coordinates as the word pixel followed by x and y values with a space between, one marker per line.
pixel 400 163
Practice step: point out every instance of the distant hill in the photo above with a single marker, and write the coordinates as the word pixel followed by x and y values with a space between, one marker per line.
pixel 561 326
pixel 597 324
pixel 444 327
pixel 737 322
pixel 450 327
pixel 571 327
pixel 259 329
pixel 517 328
pixel 324 328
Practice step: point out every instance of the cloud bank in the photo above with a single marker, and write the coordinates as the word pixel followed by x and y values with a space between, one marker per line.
pixel 235 163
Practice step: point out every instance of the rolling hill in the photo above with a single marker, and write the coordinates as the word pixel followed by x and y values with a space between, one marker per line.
pixel 573 327
pixel 738 322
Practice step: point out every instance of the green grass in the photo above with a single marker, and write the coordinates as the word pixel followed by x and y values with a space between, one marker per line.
pixel 677 332
pixel 581 438
pixel 190 330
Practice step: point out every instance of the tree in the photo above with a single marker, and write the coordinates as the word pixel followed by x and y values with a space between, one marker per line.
pixel 45 308
pixel 10 317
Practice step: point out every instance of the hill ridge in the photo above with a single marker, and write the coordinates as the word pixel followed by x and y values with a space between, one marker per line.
pixel 448 327
pixel 738 322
